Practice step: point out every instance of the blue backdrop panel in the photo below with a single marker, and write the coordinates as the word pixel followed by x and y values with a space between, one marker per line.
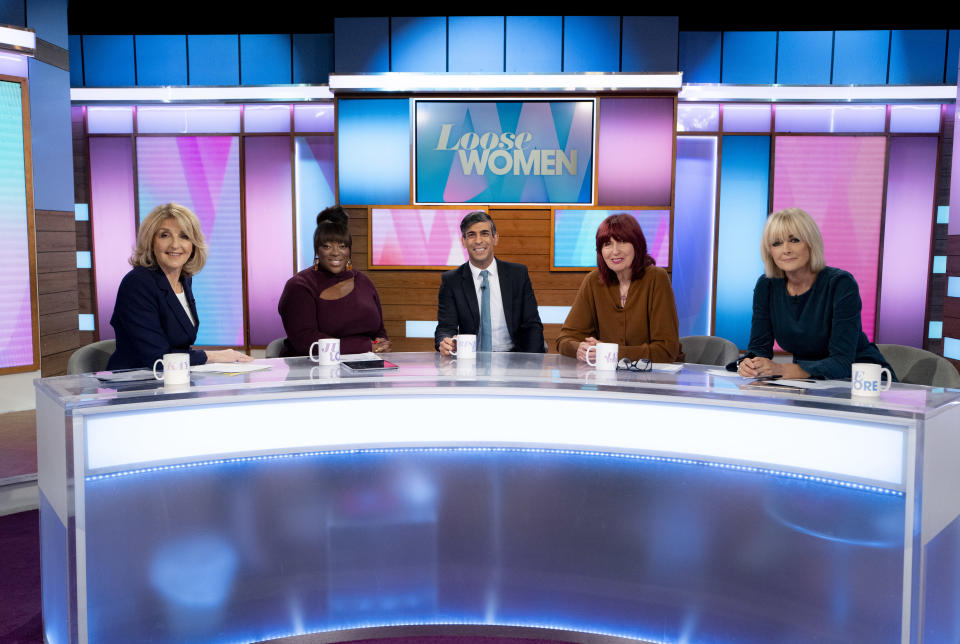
pixel 749 57
pixel 418 44
pixel 700 56
pixel 312 58
pixel 860 57
pixel 804 57
pixel 161 60
pixel 534 44
pixel 373 151
pixel 108 61
pixel 744 191
pixel 49 19
pixel 953 49
pixel 917 56
pixel 51 137
pixel 475 43
pixel 213 60
pixel 264 59
pixel 361 45
pixel 591 44
pixel 13 12
pixel 76 61
pixel 649 44
pixel 693 222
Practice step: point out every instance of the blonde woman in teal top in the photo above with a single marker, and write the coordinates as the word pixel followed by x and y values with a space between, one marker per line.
pixel 812 310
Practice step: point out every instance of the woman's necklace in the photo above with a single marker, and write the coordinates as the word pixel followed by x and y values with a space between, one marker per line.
pixel 624 291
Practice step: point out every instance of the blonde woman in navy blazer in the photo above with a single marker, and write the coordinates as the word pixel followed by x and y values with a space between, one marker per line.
pixel 155 312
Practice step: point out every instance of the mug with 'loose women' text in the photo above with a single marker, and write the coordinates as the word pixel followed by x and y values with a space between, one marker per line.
pixel 866 379
pixel 605 356
pixel 466 346
pixel 176 369
pixel 328 351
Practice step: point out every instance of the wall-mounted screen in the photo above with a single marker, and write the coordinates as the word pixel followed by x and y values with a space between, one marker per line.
pixel 575 234
pixel 535 152
pixel 416 238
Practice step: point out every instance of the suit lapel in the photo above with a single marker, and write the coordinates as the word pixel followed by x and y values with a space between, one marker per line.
pixel 174 304
pixel 470 293
pixel 506 290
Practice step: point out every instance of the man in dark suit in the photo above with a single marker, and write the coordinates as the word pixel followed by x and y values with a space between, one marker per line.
pixel 510 321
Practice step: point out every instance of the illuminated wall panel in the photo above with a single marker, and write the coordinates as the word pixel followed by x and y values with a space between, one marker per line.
pixel 16 303
pixel 693 225
pixel 917 56
pixel 269 232
pixel 161 60
pixel 113 218
pixel 750 57
pixel 405 237
pixel 635 151
pixel 699 54
pixel 315 189
pixel 475 43
pixel 839 181
pixel 744 190
pixel 575 234
pixel 373 160
pixel 649 44
pixel 911 180
pixel 213 59
pixel 203 174
pixel 108 61
pixel 591 44
pixel 804 57
pixel 265 59
pixel 534 44
pixel 860 57
pixel 361 45
pixel 418 44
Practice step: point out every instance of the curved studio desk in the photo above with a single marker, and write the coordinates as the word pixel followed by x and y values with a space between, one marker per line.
pixel 517 492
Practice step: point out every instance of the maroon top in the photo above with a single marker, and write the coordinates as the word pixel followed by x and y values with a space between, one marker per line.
pixel 356 318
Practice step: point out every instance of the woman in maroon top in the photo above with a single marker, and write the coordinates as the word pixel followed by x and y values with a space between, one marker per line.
pixel 329 299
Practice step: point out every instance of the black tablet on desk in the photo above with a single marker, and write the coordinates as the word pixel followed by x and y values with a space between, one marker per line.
pixel 368 365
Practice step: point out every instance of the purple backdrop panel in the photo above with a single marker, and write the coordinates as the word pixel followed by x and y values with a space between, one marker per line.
pixel 746 118
pixel 16 305
pixel 697 117
pixel 203 174
pixel 110 119
pixel 575 235
pixel 915 118
pixel 113 218
pixel 409 237
pixel 269 232
pixel 635 151
pixel 911 179
pixel 830 118
pixel 266 118
pixel 839 181
pixel 313 118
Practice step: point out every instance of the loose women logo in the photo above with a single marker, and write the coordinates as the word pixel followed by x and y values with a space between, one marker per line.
pixel 860 383
pixel 504 154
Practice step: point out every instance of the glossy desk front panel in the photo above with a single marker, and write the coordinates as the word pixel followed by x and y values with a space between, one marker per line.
pixel 517 490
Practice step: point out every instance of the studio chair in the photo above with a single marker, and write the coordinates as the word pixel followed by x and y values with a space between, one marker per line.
pixel 274 348
pixel 918 367
pixel 92 357
pixel 709 349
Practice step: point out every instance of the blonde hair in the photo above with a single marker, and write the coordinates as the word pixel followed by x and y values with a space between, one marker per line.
pixel 188 222
pixel 796 222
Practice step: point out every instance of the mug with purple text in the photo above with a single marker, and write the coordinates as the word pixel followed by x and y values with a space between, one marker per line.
pixel 605 356
pixel 867 379
pixel 328 351
pixel 176 369
pixel 466 346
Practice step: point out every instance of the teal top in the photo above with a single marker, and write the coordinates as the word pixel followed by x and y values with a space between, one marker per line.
pixel 821 328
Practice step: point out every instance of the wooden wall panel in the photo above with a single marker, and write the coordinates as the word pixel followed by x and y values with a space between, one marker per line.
pixel 57 288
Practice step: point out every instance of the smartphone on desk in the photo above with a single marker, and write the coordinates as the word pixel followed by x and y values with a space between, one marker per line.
pixel 368 365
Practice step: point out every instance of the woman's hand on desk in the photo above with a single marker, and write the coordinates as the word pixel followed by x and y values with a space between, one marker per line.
pixel 381 345
pixel 764 367
pixel 582 348
pixel 227 355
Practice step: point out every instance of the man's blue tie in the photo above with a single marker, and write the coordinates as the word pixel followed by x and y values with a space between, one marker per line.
pixel 486 343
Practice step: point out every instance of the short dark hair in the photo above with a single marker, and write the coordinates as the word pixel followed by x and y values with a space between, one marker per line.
pixel 333 225
pixel 623 228
pixel 476 217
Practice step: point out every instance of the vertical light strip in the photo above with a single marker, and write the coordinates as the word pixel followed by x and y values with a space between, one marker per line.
pixel 113 225
pixel 693 227
pixel 911 184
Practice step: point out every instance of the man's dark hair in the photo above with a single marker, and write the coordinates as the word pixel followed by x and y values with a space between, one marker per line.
pixel 476 217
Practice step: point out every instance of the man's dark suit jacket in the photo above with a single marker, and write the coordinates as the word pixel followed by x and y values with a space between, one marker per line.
pixel 459 311
pixel 149 320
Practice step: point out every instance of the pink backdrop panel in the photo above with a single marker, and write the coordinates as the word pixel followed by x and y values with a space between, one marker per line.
pixel 113 218
pixel 411 237
pixel 635 151
pixel 839 181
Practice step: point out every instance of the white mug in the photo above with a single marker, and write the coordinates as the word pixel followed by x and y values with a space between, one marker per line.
pixel 328 351
pixel 466 346
pixel 605 356
pixel 176 369
pixel 867 379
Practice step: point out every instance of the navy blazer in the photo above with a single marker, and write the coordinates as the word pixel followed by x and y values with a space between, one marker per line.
pixel 459 312
pixel 149 320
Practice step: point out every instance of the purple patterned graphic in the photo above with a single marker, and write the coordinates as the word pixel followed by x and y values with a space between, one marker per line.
pixel 575 234
pixel 839 181
pixel 635 151
pixel 408 237
pixel 112 212
pixel 203 174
